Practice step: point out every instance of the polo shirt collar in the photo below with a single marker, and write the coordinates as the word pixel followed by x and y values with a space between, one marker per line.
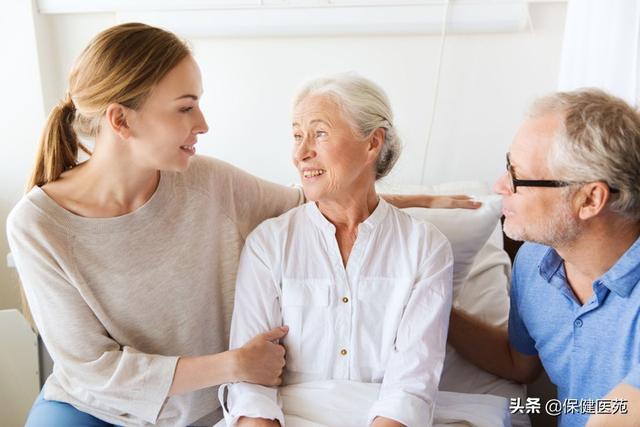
pixel 621 278
pixel 550 264
pixel 625 273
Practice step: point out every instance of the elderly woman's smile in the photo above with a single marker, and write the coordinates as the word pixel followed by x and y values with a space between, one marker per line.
pixel 332 158
pixel 312 173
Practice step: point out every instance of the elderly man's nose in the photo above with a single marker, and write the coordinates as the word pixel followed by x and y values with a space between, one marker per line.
pixel 501 185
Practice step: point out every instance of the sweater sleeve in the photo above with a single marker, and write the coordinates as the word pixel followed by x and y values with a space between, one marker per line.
pixel 90 365
pixel 247 199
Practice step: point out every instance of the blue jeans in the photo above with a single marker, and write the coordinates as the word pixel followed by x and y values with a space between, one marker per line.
pixel 51 413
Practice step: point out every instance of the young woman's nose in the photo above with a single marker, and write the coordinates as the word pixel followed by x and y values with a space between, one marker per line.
pixel 201 125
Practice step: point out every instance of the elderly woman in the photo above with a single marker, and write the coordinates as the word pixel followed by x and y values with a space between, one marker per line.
pixel 364 288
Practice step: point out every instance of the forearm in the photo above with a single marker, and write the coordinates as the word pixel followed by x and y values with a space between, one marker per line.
pixel 385 422
pixel 198 372
pixel 484 345
pixel 630 418
pixel 402 201
pixel 458 201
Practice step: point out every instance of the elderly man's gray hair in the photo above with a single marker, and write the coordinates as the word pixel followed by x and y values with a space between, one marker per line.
pixel 599 140
pixel 366 107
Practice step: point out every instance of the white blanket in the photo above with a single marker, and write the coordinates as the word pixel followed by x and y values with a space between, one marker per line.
pixel 345 404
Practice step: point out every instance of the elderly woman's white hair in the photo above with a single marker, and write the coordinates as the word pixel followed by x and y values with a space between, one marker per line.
pixel 365 106
pixel 599 140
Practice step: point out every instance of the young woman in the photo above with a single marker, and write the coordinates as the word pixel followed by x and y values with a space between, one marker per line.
pixel 128 259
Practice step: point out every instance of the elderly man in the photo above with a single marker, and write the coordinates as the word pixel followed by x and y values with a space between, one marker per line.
pixel 572 191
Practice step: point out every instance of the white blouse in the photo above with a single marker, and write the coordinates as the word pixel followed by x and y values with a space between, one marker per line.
pixel 381 319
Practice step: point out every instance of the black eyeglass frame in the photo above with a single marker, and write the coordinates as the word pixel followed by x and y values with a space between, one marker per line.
pixel 549 183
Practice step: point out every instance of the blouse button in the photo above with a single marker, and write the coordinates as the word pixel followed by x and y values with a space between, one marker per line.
pixel 343 352
pixel 345 300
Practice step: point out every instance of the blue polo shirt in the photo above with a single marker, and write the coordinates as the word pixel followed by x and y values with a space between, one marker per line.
pixel 586 349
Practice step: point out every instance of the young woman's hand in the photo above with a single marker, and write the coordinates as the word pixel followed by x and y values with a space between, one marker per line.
pixel 261 360
pixel 456 201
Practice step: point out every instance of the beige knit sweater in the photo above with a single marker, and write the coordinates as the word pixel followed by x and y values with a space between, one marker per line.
pixel 117 300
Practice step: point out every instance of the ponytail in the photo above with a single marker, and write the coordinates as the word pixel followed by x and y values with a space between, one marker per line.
pixel 58 147
pixel 120 65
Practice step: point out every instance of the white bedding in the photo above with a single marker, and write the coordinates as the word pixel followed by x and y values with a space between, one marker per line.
pixel 335 403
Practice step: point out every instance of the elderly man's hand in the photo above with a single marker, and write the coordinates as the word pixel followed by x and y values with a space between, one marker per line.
pixel 629 418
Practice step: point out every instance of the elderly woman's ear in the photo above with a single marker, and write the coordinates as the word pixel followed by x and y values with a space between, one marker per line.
pixel 376 142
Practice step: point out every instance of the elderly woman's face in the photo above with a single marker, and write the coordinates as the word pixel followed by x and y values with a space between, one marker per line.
pixel 332 159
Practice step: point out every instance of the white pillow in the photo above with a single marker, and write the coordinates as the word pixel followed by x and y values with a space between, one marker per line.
pixel 467 230
pixel 485 295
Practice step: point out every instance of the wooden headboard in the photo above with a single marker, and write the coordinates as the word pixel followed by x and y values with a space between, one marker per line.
pixel 510 246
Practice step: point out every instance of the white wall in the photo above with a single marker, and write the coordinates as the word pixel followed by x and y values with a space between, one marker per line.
pixel 37 52
pixel 21 117
pixel 486 83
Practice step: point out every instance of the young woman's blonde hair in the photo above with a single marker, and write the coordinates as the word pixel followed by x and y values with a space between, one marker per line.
pixel 120 65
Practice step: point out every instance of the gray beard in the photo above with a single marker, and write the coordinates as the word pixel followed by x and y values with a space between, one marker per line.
pixel 557 229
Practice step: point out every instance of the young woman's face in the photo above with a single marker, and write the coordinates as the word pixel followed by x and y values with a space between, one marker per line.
pixel 165 130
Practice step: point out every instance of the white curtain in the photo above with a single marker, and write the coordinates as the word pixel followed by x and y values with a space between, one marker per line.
pixel 601 47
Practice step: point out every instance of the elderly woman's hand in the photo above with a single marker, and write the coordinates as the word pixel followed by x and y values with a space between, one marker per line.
pixel 456 201
pixel 385 422
pixel 256 422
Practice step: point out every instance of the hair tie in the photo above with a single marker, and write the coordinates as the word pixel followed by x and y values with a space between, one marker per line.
pixel 68 109
pixel 67 103
pixel 384 119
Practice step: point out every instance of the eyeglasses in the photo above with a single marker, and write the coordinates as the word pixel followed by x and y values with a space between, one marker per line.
pixel 514 183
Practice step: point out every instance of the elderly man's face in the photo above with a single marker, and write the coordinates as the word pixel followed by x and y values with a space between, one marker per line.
pixel 536 214
pixel 330 157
